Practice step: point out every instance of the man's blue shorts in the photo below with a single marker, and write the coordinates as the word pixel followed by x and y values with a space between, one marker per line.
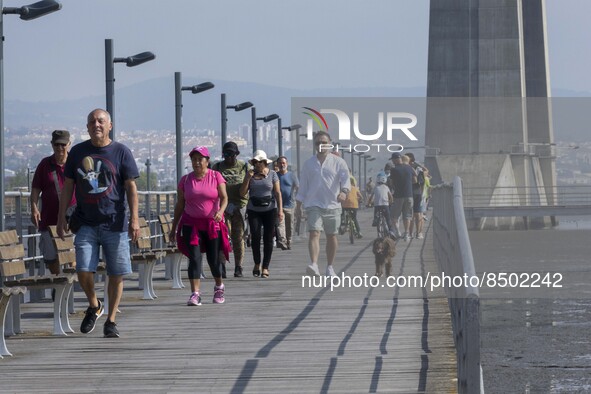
pixel 115 250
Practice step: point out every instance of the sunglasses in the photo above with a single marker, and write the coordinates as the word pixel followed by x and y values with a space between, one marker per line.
pixel 229 154
pixel 59 145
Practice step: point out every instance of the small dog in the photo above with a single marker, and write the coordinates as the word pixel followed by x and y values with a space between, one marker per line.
pixel 384 249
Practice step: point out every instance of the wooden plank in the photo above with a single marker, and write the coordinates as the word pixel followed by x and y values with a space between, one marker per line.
pixel 8 237
pixel 12 252
pixel 12 268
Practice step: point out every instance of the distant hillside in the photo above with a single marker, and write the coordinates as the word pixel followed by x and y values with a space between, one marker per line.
pixel 150 105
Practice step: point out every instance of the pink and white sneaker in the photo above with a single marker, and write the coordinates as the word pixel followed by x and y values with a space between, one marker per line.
pixel 218 295
pixel 195 299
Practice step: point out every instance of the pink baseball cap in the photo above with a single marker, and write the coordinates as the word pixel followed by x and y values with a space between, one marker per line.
pixel 202 150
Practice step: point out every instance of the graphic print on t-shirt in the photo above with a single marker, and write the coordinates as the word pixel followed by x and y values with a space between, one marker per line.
pixel 97 173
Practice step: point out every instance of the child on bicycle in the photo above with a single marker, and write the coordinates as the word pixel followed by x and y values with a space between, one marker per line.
pixel 350 205
pixel 381 199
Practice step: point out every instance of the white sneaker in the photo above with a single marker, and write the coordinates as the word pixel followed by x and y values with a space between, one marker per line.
pixel 330 271
pixel 407 238
pixel 313 270
pixel 420 236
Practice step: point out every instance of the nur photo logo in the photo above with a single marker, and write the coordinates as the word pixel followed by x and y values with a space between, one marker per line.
pixel 390 125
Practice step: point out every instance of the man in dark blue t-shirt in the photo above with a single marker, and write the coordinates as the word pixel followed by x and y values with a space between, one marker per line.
pixel 402 176
pixel 289 184
pixel 103 172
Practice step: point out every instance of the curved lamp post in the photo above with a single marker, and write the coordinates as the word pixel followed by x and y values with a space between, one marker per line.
pixel 360 154
pixel 298 135
pixel 293 127
pixel 178 106
pixel 26 13
pixel 265 119
pixel 237 108
pixel 366 158
pixel 130 61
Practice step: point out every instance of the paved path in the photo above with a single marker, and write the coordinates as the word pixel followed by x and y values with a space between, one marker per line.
pixel 271 336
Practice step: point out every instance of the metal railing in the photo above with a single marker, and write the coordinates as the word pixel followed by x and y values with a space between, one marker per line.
pixel 18 210
pixel 571 195
pixel 453 253
pixel 18 217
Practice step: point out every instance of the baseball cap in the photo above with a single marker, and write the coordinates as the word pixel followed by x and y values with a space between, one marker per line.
pixel 396 155
pixel 60 137
pixel 202 150
pixel 231 146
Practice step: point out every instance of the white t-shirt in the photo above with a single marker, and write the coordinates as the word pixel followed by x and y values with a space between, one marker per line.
pixel 380 195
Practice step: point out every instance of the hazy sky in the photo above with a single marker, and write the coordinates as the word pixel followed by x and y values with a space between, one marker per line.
pixel 298 44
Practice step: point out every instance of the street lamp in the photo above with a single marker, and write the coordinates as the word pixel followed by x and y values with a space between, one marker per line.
pixel 265 119
pixel 130 61
pixel 293 127
pixel 366 158
pixel 26 13
pixel 360 154
pixel 237 108
pixel 178 106
pixel 298 151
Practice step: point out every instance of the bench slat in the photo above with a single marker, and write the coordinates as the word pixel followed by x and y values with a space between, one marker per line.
pixel 12 268
pixel 8 237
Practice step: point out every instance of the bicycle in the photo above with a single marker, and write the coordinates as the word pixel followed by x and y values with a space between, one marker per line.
pixel 382 225
pixel 349 225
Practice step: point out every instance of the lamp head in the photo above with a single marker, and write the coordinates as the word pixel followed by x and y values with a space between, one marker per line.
pixel 243 106
pixel 38 9
pixel 293 127
pixel 270 118
pixel 138 59
pixel 202 87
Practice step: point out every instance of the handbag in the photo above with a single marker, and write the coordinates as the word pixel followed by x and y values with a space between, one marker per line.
pixel 261 201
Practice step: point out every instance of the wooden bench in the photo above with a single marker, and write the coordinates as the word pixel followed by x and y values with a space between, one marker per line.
pixel 66 258
pixel 147 256
pixel 174 257
pixel 13 270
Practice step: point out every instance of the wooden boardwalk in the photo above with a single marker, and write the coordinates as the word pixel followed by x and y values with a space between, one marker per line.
pixel 271 336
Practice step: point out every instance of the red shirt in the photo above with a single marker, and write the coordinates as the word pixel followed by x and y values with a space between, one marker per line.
pixel 44 180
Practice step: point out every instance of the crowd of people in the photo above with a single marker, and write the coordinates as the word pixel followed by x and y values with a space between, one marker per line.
pixel 91 191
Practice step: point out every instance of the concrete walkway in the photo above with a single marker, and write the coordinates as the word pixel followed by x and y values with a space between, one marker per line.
pixel 272 335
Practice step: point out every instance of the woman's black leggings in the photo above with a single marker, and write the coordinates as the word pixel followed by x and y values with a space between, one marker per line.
pixel 267 220
pixel 212 251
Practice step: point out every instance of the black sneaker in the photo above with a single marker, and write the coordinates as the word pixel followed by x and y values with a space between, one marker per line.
pixel 90 317
pixel 110 330
pixel 238 272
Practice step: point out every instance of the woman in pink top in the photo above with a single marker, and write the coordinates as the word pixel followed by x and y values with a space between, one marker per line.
pixel 198 222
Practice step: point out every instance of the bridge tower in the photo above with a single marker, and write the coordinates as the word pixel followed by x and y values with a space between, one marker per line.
pixel 488 109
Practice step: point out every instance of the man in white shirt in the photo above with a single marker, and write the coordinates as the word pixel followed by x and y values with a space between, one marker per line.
pixel 324 185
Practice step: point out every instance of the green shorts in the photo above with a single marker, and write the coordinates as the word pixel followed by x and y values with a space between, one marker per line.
pixel 320 219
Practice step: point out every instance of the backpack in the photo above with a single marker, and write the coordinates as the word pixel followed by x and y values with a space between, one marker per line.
pixel 420 177
pixel 419 186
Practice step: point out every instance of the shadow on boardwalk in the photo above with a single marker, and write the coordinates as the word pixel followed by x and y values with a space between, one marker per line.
pixel 272 335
